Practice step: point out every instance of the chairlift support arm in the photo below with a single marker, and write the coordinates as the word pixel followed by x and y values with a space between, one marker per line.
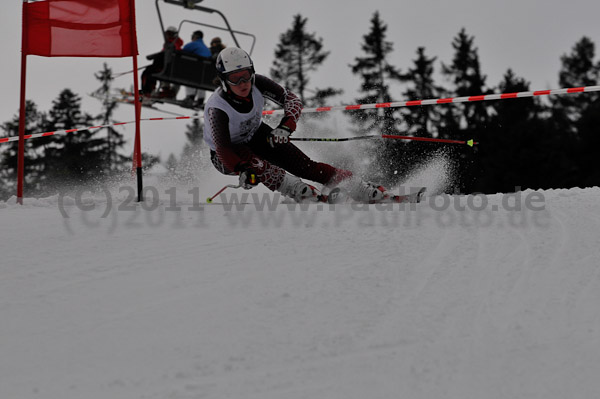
pixel 191 4
pixel 221 28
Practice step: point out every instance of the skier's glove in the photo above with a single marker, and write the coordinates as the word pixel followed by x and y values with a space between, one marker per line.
pixel 248 176
pixel 281 134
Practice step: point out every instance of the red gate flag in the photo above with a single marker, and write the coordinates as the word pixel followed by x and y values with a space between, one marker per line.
pixel 79 28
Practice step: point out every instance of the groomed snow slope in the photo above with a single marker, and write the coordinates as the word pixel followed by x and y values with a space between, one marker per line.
pixel 351 303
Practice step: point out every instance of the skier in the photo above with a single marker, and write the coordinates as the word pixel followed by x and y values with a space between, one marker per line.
pixel 241 144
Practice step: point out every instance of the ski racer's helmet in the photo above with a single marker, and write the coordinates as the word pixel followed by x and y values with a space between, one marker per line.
pixel 231 61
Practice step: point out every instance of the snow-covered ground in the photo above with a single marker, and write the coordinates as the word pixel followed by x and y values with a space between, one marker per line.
pixel 456 297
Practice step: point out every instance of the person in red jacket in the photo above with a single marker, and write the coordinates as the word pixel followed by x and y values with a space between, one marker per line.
pixel 241 143
pixel 158 61
pixel 172 37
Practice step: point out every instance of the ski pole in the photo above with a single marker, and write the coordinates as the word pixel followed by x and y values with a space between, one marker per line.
pixel 470 142
pixel 210 199
pixel 333 139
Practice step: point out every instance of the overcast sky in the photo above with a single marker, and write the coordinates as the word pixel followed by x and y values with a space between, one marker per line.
pixel 528 36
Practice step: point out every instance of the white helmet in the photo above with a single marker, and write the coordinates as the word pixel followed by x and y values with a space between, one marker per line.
pixel 233 59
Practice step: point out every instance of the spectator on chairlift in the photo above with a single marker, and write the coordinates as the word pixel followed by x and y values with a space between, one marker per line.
pixel 172 36
pixel 194 98
pixel 216 45
pixel 197 46
pixel 158 61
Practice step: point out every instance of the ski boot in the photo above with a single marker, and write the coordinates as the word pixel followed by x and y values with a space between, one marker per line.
pixel 298 190
pixel 355 188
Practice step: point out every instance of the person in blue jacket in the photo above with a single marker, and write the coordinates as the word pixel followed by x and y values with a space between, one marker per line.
pixel 195 97
pixel 197 46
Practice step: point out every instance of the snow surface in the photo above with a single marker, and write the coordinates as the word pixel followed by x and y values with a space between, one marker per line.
pixel 456 297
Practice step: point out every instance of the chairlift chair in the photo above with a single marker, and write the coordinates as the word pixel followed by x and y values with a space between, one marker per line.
pixel 183 68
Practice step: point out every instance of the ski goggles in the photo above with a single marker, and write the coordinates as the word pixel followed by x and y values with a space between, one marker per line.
pixel 238 77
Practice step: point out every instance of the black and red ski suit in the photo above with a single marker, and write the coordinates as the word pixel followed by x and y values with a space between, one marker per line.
pixel 269 163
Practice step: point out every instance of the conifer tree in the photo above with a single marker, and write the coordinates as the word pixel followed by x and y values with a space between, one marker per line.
pixel 510 148
pixel 114 140
pixel 578 69
pixel 171 166
pixel 464 72
pixel 33 171
pixel 297 55
pixel 421 121
pixel 578 116
pixel 73 159
pixel 467 120
pixel 377 74
pixel 192 154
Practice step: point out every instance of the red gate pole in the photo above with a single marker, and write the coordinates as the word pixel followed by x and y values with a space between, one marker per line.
pixel 138 110
pixel 22 104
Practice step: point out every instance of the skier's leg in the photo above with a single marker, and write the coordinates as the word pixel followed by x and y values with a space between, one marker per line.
pixel 269 175
pixel 293 160
pixel 272 176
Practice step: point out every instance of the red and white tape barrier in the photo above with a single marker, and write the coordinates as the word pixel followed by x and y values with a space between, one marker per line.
pixel 453 100
pixel 46 134
pixel 436 101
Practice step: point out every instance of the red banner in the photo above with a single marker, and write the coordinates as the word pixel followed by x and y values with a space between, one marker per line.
pixel 79 28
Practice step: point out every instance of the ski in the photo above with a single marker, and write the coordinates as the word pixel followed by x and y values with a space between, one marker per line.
pixel 338 196
pixel 412 198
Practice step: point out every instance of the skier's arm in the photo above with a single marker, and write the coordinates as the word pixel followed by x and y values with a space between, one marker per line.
pixel 292 105
pixel 219 123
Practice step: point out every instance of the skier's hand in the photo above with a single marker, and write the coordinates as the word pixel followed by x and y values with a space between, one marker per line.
pixel 278 136
pixel 248 179
pixel 281 134
pixel 248 176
